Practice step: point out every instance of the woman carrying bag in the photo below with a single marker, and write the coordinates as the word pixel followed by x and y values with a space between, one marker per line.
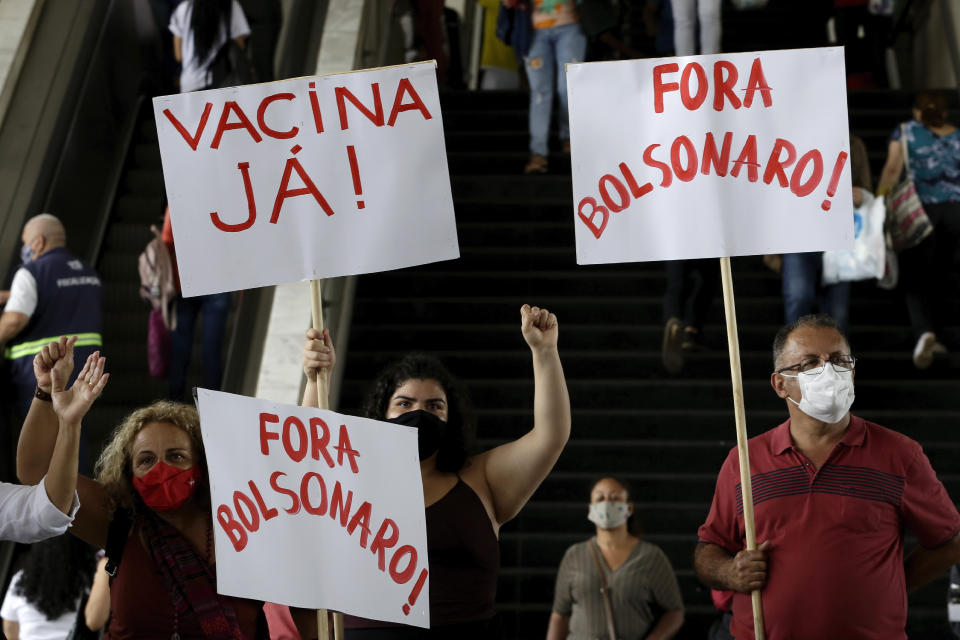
pixel 615 584
pixel 927 263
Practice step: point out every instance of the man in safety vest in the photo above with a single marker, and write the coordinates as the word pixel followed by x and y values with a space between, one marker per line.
pixel 53 294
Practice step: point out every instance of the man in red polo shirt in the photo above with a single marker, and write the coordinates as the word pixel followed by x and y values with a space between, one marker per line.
pixel 832 496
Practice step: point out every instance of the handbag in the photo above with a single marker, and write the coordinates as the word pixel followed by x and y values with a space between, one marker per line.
pixel 158 345
pixel 605 592
pixel 515 28
pixel 867 258
pixel 907 222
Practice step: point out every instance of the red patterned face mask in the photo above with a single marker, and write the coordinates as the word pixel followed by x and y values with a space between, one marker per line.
pixel 165 488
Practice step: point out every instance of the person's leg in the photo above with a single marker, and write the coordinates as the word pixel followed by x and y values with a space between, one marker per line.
pixel 673 304
pixel 673 296
pixel 835 301
pixel 181 346
pixel 709 13
pixel 571 46
pixel 799 283
pixel 684 26
pixel 213 325
pixel 700 298
pixel 539 65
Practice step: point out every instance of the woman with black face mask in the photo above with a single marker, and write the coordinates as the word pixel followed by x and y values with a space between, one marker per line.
pixel 467 497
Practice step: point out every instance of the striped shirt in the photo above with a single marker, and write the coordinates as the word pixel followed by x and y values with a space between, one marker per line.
pixel 643 583
pixel 835 533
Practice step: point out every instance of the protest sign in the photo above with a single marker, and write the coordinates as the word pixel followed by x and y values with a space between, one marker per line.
pixel 307 178
pixel 709 156
pixel 315 509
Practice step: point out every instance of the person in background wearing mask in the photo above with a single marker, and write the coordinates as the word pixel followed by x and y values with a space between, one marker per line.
pixel 833 495
pixel 468 497
pixel 152 493
pixel 618 569
pixel 53 294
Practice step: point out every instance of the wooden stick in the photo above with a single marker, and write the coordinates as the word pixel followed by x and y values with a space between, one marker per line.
pixel 323 402
pixel 733 344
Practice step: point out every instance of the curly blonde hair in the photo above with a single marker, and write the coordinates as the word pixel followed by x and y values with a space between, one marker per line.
pixel 114 469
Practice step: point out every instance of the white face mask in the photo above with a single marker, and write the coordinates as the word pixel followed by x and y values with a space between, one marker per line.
pixel 827 396
pixel 608 515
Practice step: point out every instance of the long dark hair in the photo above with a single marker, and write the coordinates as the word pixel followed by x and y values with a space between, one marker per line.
pixel 56 573
pixel 456 442
pixel 205 23
pixel 633 521
pixel 932 107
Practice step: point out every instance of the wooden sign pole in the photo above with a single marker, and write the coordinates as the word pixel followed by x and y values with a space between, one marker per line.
pixel 733 344
pixel 323 402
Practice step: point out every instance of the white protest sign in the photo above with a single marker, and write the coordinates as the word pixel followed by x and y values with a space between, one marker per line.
pixel 307 178
pixel 710 156
pixel 315 509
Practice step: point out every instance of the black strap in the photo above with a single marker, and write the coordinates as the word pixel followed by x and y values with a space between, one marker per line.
pixel 117 534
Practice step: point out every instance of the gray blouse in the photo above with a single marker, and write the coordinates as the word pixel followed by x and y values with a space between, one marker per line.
pixel 640 589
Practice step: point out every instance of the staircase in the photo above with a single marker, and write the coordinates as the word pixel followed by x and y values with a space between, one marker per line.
pixel 666 436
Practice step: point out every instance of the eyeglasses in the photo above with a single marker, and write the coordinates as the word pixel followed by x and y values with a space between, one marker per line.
pixel 814 366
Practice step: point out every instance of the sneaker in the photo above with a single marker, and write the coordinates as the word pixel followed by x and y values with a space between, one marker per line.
pixel 923 352
pixel 672 350
pixel 537 164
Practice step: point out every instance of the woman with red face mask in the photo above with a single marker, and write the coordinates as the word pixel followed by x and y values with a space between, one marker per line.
pixel 151 496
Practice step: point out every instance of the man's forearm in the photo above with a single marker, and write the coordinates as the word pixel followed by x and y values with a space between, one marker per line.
pixel 11 323
pixel 923 565
pixel 712 563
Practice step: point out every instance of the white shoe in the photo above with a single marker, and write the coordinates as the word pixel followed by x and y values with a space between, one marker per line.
pixel 923 352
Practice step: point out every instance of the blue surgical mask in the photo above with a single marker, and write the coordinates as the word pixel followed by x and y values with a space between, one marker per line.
pixel 26 254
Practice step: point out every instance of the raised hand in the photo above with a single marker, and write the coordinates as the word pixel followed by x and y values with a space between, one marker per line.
pixel 318 353
pixel 56 354
pixel 539 327
pixel 71 405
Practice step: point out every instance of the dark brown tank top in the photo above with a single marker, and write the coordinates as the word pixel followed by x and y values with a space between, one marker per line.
pixel 464 556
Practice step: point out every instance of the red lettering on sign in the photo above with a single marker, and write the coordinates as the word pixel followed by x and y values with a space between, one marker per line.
pixel 242 123
pixel 375 116
pixel 275 485
pixel 235 533
pixel 660 87
pixel 266 512
pixel 319 439
pixel 192 140
pixel 384 540
pixel 262 113
pixel 344 448
pixel 405 88
pixel 267 436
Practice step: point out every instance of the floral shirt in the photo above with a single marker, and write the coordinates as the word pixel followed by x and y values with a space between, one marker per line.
pixel 934 162
pixel 553 13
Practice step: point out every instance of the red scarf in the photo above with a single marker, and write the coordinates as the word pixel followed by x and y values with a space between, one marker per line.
pixel 189 580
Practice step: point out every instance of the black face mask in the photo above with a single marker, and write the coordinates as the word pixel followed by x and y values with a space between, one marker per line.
pixel 430 429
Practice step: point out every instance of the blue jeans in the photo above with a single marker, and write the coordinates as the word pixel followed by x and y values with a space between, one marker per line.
pixel 802 289
pixel 550 50
pixel 214 309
